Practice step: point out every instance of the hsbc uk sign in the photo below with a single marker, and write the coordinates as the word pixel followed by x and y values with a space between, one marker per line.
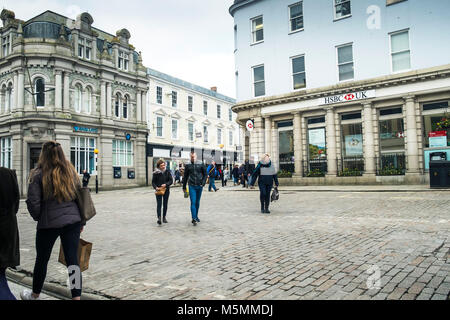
pixel 348 97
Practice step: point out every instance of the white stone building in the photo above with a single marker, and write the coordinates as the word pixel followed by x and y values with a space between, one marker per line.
pixel 65 80
pixel 340 88
pixel 184 117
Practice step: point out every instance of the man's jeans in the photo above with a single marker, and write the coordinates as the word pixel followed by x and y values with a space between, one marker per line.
pixel 5 292
pixel 195 193
pixel 212 184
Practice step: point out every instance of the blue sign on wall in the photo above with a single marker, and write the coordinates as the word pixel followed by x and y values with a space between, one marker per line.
pixel 83 129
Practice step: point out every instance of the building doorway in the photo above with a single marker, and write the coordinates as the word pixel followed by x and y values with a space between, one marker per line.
pixel 35 152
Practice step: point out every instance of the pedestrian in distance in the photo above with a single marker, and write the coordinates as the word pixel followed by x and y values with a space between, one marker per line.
pixel 213 174
pixel 267 175
pixel 195 176
pixel 177 176
pixel 51 202
pixel 226 175
pixel 161 182
pixel 9 232
pixel 242 175
pixel 86 177
pixel 235 175
pixel 221 175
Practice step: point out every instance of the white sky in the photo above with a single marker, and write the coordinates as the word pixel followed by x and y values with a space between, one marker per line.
pixel 188 39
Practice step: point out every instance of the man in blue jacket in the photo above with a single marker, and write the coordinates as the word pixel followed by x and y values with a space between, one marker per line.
pixel 213 173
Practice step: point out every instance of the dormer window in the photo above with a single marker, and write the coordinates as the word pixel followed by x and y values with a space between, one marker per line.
pixel 6 46
pixel 124 60
pixel 84 48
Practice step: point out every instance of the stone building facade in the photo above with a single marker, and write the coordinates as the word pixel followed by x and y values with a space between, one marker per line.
pixel 338 104
pixel 64 80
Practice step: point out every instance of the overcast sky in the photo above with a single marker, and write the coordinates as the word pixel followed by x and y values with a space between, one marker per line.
pixel 188 39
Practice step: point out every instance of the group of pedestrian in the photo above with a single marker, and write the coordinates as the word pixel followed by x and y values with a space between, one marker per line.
pixel 51 202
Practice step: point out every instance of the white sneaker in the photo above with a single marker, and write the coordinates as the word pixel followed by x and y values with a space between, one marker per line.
pixel 26 295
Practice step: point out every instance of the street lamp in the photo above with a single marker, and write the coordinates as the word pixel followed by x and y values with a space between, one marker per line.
pixel 96 170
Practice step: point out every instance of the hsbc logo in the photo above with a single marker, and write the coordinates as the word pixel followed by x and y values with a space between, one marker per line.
pixel 347 97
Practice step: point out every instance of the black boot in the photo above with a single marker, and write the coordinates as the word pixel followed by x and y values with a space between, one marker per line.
pixel 263 210
pixel 266 207
pixel 159 220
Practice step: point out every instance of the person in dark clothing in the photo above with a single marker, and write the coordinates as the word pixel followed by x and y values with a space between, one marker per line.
pixel 195 175
pixel 177 176
pixel 235 175
pixel 267 176
pixel 242 175
pixel 51 202
pixel 86 177
pixel 162 178
pixel 213 174
pixel 9 232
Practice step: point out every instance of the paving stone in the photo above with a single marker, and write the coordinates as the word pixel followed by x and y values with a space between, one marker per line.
pixel 396 294
pixel 439 297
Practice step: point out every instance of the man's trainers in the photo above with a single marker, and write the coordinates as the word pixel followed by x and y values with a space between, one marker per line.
pixel 198 220
pixel 217 189
pixel 26 295
pixel 164 220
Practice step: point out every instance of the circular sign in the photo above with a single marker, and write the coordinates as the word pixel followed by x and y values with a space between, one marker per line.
pixel 250 126
pixel 128 136
pixel 96 151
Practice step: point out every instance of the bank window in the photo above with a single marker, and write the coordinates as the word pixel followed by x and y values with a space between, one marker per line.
pixel 298 72
pixel 122 153
pixel 159 95
pixel 218 112
pixel 82 154
pixel 259 86
pixel 174 99
pixel 436 123
pixel 392 144
pixel 6 46
pixel 6 152
pixel 219 136
pixel 400 53
pixel 205 134
pixel 257 29
pixel 205 108
pixel 39 89
pixel 345 62
pixel 159 126
pixel 342 9
pixel 286 146
pixel 190 104
pixel 296 16
pixel 352 145
pixel 191 131
pixel 174 129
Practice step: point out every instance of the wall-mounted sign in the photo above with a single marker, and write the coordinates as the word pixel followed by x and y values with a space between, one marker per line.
pixel 117 172
pixel 161 153
pixel 348 97
pixel 250 125
pixel 128 136
pixel 438 139
pixel 198 134
pixel 83 129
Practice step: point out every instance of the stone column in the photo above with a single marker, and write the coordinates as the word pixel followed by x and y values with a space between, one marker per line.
pixel 331 142
pixel 298 144
pixel 144 106
pixel 139 106
pixel 66 104
pixel 275 149
pixel 58 90
pixel 412 145
pixel 108 100
pixel 13 106
pixel 102 99
pixel 369 140
pixel 268 135
pixel 20 90
pixel 2 102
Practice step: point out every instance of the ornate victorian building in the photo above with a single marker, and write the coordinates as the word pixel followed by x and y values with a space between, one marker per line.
pixel 68 81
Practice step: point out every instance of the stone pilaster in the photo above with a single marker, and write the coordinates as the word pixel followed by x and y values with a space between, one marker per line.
pixel 268 135
pixel 139 106
pixel 58 91
pixel 66 104
pixel 13 106
pixel 275 149
pixel 20 90
pixel 412 146
pixel 298 157
pixel 369 140
pixel 331 142
pixel 102 99
pixel 144 106
pixel 108 100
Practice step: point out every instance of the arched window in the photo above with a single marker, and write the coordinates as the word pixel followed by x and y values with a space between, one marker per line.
pixel 78 98
pixel 2 99
pixel 9 97
pixel 117 106
pixel 88 100
pixel 39 90
pixel 125 107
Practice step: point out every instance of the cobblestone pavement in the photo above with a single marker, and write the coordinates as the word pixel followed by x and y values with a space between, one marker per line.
pixel 314 245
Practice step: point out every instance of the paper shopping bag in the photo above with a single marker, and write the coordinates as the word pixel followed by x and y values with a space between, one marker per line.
pixel 84 255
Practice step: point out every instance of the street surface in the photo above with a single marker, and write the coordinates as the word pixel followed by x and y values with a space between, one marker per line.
pixel 314 245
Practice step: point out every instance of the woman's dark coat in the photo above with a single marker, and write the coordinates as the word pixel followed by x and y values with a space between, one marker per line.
pixel 160 178
pixel 9 205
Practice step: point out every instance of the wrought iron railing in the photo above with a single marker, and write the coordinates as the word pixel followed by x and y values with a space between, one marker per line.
pixel 315 167
pixel 350 166
pixel 389 164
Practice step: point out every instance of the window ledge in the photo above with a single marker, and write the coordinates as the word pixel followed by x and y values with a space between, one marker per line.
pixel 296 31
pixel 256 43
pixel 342 18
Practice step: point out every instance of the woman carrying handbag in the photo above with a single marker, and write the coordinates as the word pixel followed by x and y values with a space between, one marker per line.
pixel 161 182
pixel 52 195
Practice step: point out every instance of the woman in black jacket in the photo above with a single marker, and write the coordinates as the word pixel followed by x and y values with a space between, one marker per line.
pixel 162 179
pixel 9 233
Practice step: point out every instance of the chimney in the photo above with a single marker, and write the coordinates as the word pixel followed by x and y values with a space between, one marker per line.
pixel 214 89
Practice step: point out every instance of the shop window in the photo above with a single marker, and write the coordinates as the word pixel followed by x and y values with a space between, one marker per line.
pixel 352 162
pixel 316 165
pixel 392 147
pixel 438 122
pixel 82 154
pixel 122 153
pixel 286 150
pixel 6 152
